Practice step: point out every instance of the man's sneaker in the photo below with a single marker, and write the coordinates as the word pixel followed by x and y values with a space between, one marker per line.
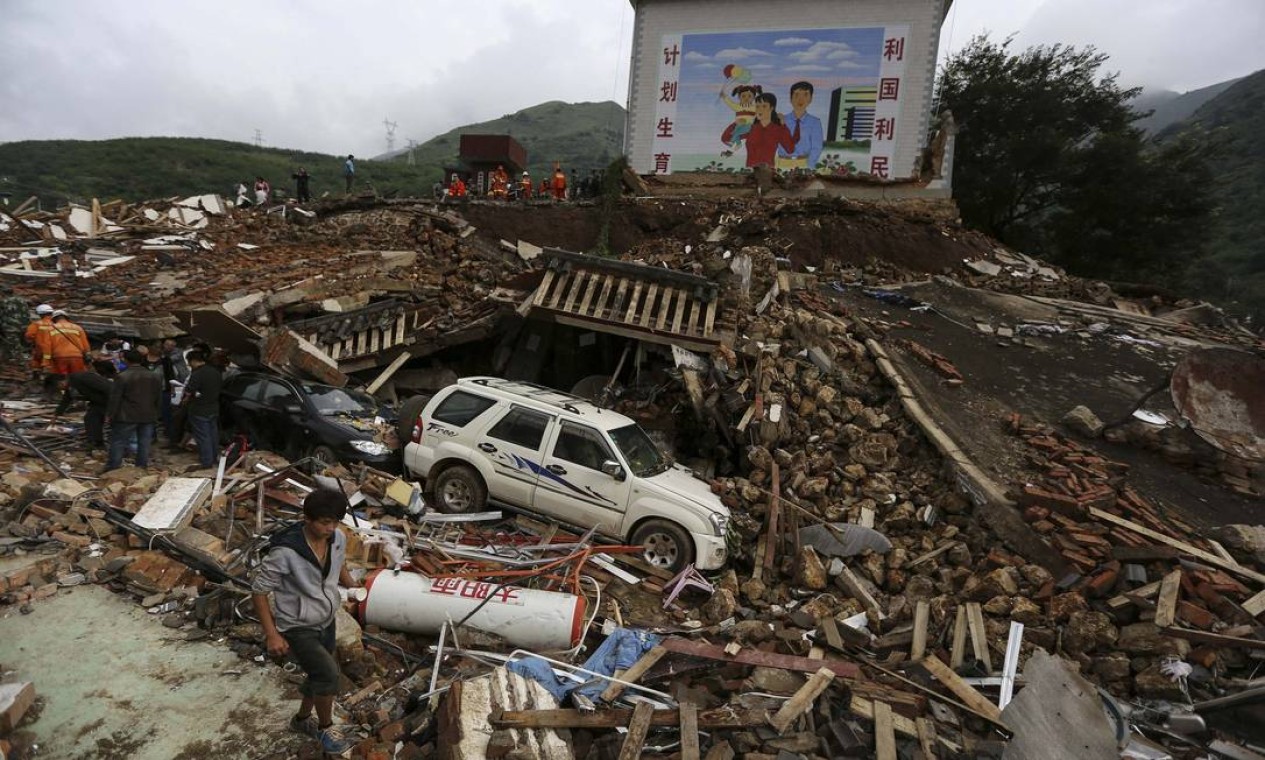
pixel 333 742
pixel 307 726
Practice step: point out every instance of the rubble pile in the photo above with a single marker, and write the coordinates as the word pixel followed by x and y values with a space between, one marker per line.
pixel 877 603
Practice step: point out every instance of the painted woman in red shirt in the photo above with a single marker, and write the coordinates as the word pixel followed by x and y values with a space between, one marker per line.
pixel 767 133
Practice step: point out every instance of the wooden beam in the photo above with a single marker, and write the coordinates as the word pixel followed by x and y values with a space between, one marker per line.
pixel 963 690
pixel 854 587
pixel 689 731
pixel 1185 548
pixel 719 718
pixel 638 727
pixel 750 656
pixel 638 669
pixel 979 635
pixel 386 373
pixel 1120 601
pixel 958 653
pixel 922 611
pixel 1256 605
pixel 865 708
pixel 771 532
pixel 803 700
pixel 1166 604
pixel 884 732
pixel 1214 639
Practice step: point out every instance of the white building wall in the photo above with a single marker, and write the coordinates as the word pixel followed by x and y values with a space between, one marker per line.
pixel 656 18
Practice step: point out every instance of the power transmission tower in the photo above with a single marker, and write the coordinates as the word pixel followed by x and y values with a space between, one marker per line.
pixel 390 125
pixel 411 145
pixel 259 139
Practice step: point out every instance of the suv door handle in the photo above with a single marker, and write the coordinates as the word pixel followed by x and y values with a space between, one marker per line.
pixel 557 469
pixel 489 448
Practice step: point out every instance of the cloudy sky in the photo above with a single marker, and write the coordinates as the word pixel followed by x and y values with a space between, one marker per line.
pixel 323 75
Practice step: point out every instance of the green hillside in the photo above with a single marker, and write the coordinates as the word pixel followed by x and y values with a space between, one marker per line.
pixel 137 168
pixel 581 136
pixel 1230 127
pixel 1169 107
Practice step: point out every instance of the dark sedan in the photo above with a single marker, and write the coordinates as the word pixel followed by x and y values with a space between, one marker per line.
pixel 300 419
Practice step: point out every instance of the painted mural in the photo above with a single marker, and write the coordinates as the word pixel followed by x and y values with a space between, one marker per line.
pixel 810 100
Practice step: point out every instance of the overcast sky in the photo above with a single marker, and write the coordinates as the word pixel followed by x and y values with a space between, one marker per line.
pixel 323 75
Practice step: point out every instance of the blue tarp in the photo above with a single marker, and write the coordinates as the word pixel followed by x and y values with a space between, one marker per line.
pixel 620 650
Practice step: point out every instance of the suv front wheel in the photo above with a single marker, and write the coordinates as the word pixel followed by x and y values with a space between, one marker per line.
pixel 665 545
pixel 459 489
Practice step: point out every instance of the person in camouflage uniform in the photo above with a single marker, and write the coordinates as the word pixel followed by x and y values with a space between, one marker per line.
pixel 15 315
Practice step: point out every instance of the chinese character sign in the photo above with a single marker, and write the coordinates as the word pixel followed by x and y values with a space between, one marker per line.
pixel 669 94
pixel 818 100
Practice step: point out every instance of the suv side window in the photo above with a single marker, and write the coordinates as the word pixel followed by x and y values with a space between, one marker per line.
pixel 522 427
pixel 461 408
pixel 581 445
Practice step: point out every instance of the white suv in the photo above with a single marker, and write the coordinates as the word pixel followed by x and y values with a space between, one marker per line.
pixel 531 447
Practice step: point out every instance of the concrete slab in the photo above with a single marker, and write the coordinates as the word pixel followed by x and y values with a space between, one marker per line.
pixel 116 683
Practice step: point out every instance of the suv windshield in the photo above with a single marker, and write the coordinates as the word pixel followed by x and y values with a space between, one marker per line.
pixel 642 455
pixel 329 400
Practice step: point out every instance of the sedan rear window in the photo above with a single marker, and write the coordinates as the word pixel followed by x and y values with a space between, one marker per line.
pixel 461 408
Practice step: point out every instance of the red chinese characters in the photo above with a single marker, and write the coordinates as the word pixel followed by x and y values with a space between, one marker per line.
pixel 889 88
pixel 894 49
pixel 885 129
pixel 665 127
pixel 878 166
pixel 662 162
pixel 477 590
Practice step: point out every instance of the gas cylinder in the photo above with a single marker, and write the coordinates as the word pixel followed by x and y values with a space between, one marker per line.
pixel 412 602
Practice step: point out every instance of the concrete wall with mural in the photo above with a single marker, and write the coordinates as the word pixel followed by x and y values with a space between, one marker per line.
pixel 838 87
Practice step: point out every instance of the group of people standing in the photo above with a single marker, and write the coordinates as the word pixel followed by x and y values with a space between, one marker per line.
pixel 262 189
pixel 556 186
pixel 130 390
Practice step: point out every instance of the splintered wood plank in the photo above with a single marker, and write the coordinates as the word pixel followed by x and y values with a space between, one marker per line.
pixel 618 303
pixel 979 644
pixel 963 690
pixel 922 612
pixel 647 309
pixel 692 327
pixel 1185 548
pixel 958 653
pixel 1256 605
pixel 689 731
pixel 631 314
pixel 600 307
pixel 543 288
pixel 884 732
pixel 802 701
pixel 638 727
pixel 682 296
pixel 559 288
pixel 926 737
pixel 589 289
pixel 638 669
pixel 577 284
pixel 1166 604
pixel 665 304
pixel 709 322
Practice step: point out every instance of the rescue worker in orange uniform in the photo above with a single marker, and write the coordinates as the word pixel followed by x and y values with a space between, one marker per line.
pixel 500 183
pixel 68 344
pixel 525 187
pixel 457 188
pixel 37 335
pixel 559 183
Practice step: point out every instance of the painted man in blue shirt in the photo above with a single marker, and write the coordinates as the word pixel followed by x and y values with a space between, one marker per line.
pixel 805 130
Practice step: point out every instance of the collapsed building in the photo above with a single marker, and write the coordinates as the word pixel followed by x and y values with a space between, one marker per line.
pixel 963 524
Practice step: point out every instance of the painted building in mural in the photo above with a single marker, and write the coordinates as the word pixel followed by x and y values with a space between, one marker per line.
pixel 840 87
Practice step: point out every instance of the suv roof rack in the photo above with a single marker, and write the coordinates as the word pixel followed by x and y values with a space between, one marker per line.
pixel 567 401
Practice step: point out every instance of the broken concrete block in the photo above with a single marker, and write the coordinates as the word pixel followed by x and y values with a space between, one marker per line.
pixel 64 489
pixel 1084 422
pixel 15 700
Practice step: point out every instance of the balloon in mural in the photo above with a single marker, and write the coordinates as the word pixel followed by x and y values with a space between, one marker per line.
pixel 737 73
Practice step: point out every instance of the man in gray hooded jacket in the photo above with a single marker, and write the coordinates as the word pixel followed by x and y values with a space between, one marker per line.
pixel 302 569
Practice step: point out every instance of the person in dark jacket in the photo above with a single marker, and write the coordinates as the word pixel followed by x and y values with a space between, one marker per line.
pixel 202 400
pixel 302 568
pixel 93 386
pixel 133 410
